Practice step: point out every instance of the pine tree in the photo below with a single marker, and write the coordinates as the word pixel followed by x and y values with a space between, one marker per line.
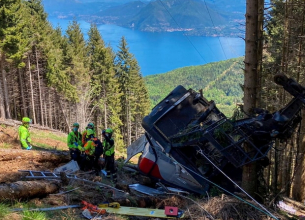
pixel 105 84
pixel 131 86
pixel 10 40
pixel 76 66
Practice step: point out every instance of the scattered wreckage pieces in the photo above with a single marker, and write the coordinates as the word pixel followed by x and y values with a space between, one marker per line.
pixel 115 208
pixel 155 192
pixel 134 211
pixel 27 189
pixel 50 175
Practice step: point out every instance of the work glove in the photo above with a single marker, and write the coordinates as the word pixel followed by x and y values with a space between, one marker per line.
pixel 29 147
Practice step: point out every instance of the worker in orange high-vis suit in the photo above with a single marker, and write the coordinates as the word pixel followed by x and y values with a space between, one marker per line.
pixel 89 150
pixel 84 134
pixel 24 134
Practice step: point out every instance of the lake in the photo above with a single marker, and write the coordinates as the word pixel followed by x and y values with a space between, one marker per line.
pixel 162 52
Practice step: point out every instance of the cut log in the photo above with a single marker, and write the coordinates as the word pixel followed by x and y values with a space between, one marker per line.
pixel 39 156
pixel 27 189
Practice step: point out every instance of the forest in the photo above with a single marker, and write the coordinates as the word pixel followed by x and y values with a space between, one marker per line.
pixel 58 78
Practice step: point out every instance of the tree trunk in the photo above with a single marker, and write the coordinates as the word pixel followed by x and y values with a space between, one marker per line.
pixel 32 91
pixel 5 89
pixel 2 110
pixel 27 189
pixel 62 110
pixel 50 110
pixel 249 178
pixel 39 89
pixel 298 191
pixel 22 92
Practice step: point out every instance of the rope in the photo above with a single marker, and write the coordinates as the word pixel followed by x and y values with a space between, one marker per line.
pixel 263 210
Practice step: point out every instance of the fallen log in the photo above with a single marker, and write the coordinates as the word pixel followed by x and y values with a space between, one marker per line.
pixel 27 189
pixel 39 156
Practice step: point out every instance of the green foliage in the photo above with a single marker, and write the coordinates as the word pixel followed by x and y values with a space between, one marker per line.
pixel 134 99
pixel 4 210
pixel 29 215
pixel 219 81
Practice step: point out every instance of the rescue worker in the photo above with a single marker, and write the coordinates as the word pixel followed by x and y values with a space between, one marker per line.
pixel 24 134
pixel 108 145
pixel 74 141
pixel 97 154
pixel 89 150
pixel 84 134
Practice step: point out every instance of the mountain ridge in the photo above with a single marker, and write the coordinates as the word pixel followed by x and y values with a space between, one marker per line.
pixel 195 17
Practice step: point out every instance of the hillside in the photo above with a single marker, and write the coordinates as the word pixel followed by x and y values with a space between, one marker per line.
pixel 48 143
pixel 219 81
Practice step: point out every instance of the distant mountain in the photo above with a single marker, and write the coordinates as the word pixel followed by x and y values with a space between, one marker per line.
pixel 195 17
pixel 169 15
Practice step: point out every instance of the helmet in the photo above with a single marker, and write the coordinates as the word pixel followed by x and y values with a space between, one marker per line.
pixel 76 125
pixel 90 125
pixel 90 132
pixel 26 120
pixel 109 130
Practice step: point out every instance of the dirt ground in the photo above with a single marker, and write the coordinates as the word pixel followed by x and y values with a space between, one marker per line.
pixel 74 192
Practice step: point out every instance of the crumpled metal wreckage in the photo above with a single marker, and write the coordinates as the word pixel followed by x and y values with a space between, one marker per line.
pixel 189 143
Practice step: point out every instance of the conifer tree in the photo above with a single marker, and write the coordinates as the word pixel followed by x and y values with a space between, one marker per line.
pixel 129 76
pixel 10 40
pixel 105 83
pixel 76 66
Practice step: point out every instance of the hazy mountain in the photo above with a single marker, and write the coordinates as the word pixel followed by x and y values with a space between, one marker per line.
pixel 175 15
pixel 198 17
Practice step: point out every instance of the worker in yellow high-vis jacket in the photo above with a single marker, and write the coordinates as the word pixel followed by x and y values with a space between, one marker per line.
pixel 24 134
pixel 74 140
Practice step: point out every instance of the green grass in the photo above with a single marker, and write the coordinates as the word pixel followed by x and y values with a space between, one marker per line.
pixel 4 210
pixel 29 215
pixel 43 134
pixel 5 145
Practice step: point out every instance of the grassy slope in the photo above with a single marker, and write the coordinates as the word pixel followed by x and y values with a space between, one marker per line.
pixel 220 82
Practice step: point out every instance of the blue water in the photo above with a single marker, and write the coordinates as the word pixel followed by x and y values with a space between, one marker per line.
pixel 162 52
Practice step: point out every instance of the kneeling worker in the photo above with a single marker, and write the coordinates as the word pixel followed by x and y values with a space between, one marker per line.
pixel 24 134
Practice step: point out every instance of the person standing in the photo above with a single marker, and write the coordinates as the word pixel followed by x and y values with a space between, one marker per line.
pixel 24 134
pixel 108 145
pixel 74 141
pixel 84 134
pixel 89 149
